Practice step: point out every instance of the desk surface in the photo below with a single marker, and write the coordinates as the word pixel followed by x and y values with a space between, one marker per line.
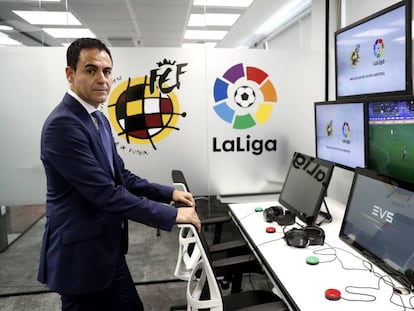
pixel 304 285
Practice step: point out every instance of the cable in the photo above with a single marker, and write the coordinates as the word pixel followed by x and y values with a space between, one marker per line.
pixel 248 215
pixel 369 267
pixel 267 242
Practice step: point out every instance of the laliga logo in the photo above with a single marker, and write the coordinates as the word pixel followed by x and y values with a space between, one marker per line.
pixel 145 110
pixel 244 96
pixel 346 129
pixel 346 132
pixel 378 48
pixel 378 52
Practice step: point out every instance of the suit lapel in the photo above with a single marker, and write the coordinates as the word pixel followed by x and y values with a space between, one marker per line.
pixel 87 121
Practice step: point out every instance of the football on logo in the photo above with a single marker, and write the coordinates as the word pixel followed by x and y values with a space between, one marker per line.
pixel 244 96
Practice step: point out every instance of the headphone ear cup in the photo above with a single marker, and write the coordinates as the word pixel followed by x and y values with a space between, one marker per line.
pixel 278 210
pixel 315 235
pixel 268 214
pixel 297 238
pixel 272 213
pixel 286 219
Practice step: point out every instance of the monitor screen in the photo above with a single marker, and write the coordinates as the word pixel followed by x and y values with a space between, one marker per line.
pixel 340 132
pixel 305 186
pixel 391 143
pixel 373 56
pixel 379 212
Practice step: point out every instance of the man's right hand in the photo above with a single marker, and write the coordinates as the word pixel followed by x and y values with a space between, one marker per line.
pixel 188 215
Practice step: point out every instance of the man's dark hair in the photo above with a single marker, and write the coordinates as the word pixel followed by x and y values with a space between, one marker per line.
pixel 73 52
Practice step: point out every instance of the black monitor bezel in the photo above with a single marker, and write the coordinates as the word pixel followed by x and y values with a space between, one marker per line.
pixel 398 275
pixel 408 55
pixel 365 125
pixel 309 220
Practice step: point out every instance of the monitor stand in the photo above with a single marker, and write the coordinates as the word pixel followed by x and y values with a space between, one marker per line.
pixel 324 217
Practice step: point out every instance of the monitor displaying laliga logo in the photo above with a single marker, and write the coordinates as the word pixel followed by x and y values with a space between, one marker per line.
pixel 244 96
pixel 145 110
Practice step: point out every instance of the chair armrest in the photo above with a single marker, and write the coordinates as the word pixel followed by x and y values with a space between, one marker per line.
pixel 215 220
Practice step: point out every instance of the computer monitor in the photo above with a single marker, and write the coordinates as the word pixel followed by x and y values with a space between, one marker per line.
pixel 341 133
pixel 391 143
pixel 373 55
pixel 379 222
pixel 305 186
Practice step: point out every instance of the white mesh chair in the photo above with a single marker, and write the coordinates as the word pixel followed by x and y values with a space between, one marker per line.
pixel 188 254
pixel 204 292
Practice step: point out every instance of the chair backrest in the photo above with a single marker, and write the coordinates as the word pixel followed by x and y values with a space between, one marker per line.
pixel 179 180
pixel 188 252
pixel 203 290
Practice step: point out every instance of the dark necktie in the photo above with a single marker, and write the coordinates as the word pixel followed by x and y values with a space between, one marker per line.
pixel 105 138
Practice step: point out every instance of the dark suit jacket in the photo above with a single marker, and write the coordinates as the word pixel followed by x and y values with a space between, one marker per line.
pixel 87 207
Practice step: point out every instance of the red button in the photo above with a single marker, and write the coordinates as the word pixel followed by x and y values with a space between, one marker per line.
pixel 270 229
pixel 332 294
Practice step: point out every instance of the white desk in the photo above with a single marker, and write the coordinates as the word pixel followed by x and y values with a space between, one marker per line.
pixel 302 285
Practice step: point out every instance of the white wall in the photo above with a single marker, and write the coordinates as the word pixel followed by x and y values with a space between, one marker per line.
pixel 30 85
pixel 33 82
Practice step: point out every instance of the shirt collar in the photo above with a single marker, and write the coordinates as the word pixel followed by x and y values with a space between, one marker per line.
pixel 89 108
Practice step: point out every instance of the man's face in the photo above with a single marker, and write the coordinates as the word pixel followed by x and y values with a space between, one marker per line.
pixel 93 76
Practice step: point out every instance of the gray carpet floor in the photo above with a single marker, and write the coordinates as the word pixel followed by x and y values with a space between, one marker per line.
pixel 155 297
pixel 151 259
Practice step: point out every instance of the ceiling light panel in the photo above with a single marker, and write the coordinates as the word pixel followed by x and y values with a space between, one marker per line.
pixel 36 1
pixel 210 19
pixel 223 3
pixel 5 40
pixel 69 32
pixel 48 18
pixel 204 34
pixel 6 28
pixel 208 45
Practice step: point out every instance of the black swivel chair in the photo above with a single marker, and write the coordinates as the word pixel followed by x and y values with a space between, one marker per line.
pixel 231 259
pixel 218 222
pixel 233 247
pixel 204 292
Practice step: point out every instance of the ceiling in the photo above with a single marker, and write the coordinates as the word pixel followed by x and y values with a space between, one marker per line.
pixel 133 23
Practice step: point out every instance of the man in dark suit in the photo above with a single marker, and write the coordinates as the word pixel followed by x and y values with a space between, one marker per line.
pixel 91 195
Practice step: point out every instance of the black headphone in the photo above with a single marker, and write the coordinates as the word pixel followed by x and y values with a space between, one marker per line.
pixel 278 214
pixel 303 237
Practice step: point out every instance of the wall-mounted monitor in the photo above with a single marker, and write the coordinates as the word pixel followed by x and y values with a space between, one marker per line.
pixel 379 223
pixel 373 55
pixel 341 133
pixel 305 186
pixel 391 139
